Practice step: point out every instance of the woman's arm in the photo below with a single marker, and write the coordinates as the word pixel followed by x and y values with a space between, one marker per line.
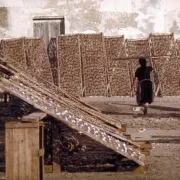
pixel 134 83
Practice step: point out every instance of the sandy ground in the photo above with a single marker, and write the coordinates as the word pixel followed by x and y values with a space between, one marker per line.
pixel 164 160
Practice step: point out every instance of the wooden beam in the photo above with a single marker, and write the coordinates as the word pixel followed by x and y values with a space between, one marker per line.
pixel 19 125
pixel 37 18
pixel 34 117
pixel 156 136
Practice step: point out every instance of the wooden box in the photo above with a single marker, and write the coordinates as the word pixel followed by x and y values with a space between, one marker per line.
pixel 24 150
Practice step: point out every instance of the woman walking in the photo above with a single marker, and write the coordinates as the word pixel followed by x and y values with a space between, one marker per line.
pixel 144 95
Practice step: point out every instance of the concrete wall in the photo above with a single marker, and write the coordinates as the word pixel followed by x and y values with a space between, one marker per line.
pixel 133 18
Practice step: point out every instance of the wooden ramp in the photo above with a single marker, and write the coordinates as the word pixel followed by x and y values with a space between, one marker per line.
pixel 72 112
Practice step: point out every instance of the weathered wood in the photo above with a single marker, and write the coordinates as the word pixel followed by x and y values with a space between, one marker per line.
pixel 59 93
pixel 22 151
pixel 140 169
pixel 156 135
pixel 56 168
pixel 54 29
pixel 34 117
pixel 48 27
pixel 48 168
pixel 22 87
pixel 41 31
pixel 37 18
pixel 19 125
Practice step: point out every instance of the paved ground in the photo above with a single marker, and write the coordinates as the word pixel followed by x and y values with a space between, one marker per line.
pixel 164 160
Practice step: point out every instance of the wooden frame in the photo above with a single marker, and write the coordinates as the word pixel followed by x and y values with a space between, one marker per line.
pixel 25 148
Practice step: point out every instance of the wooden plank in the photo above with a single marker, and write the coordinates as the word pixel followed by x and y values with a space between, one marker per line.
pixel 34 117
pixel 15 155
pixel 21 153
pixel 48 168
pixel 41 150
pixel 144 144
pixel 41 30
pixel 34 141
pixel 156 135
pixel 62 26
pixel 56 168
pixel 13 125
pixel 141 169
pixel 28 153
pixel 9 153
pixel 54 29
pixel 38 18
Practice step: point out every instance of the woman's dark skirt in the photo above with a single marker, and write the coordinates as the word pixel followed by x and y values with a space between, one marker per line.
pixel 144 92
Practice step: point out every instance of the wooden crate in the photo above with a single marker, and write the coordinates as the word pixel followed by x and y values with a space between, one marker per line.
pixel 24 150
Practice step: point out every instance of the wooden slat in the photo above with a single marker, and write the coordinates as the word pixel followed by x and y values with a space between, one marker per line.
pixel 37 18
pixel 48 168
pixel 54 28
pixel 41 30
pixel 9 153
pixel 21 153
pixel 28 153
pixel 34 117
pixel 15 155
pixel 156 135
pixel 21 125
pixel 34 154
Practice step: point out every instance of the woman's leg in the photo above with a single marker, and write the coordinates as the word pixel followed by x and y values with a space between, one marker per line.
pixel 145 105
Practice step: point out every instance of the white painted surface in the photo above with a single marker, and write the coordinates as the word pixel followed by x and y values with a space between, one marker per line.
pixel 133 18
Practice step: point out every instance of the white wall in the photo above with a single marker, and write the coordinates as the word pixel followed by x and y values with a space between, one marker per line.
pixel 134 18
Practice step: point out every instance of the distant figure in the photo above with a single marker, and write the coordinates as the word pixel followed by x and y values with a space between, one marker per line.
pixel 144 95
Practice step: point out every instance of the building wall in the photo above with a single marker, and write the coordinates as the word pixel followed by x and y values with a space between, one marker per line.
pixel 133 18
